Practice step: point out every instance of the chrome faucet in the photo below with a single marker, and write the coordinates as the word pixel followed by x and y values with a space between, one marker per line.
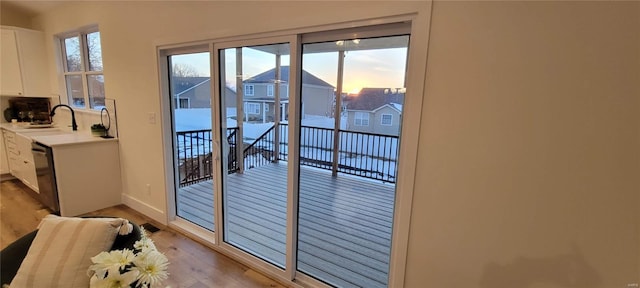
pixel 73 115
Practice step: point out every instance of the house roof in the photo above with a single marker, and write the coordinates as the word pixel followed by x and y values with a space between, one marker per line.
pixel 393 106
pixel 369 99
pixel 188 84
pixel 270 75
pixel 181 84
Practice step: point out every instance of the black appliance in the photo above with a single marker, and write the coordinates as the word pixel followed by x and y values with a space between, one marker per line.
pixel 43 160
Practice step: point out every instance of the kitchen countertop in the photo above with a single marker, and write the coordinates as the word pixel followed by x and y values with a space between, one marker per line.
pixel 54 136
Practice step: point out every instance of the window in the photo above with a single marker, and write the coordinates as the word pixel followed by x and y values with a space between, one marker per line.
pixel 270 90
pixel 266 107
pixel 362 119
pixel 252 108
pixel 248 90
pixel 386 119
pixel 183 103
pixel 82 62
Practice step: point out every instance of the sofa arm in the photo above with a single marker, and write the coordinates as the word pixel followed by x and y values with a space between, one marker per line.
pixel 11 257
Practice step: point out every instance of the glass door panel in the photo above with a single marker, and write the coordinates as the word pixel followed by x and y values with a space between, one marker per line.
pixel 348 158
pixel 190 87
pixel 254 99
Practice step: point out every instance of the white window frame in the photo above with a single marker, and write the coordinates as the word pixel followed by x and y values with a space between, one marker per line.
pixel 390 119
pixel 270 90
pixel 266 107
pixel 359 118
pixel 249 90
pixel 84 63
pixel 252 108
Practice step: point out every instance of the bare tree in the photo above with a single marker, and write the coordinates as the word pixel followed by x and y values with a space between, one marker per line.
pixel 184 70
pixel 72 51
pixel 95 51
pixel 73 54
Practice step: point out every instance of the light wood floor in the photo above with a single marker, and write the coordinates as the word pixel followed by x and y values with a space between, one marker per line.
pixel 191 264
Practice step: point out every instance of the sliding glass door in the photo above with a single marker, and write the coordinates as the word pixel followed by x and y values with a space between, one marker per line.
pixel 253 130
pixel 190 101
pixel 348 158
pixel 293 150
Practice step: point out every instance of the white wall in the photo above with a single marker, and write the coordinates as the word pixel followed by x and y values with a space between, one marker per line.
pixel 529 135
pixel 528 175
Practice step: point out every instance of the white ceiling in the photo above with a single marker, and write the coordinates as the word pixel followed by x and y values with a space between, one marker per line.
pixel 31 7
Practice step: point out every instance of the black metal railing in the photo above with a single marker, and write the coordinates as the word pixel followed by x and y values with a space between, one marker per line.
pixel 194 155
pixel 369 155
pixel 261 151
pixel 362 154
pixel 232 136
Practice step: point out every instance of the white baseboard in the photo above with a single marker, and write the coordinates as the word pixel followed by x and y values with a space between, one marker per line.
pixel 144 208
pixel 6 176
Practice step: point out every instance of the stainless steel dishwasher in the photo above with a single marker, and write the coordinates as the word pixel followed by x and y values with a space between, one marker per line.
pixel 45 172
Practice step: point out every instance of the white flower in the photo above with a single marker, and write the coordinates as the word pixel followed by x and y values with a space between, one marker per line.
pixel 121 268
pixel 151 266
pixel 144 244
pixel 114 279
pixel 116 259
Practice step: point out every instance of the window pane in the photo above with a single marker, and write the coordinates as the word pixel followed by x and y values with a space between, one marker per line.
pixel 387 119
pixel 190 86
pixel 254 189
pixel 345 222
pixel 96 91
pixel 95 51
pixel 72 50
pixel 248 90
pixel 74 90
pixel 252 108
pixel 269 90
pixel 183 103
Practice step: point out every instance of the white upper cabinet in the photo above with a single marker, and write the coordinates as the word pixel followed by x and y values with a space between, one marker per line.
pixel 23 63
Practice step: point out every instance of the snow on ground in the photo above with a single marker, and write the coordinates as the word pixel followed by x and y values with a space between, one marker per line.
pixel 200 119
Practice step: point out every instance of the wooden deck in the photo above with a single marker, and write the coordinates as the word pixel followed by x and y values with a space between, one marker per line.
pixel 344 231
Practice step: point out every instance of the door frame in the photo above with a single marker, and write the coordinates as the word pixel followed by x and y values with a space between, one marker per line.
pixel 289 272
pixel 415 77
pixel 168 125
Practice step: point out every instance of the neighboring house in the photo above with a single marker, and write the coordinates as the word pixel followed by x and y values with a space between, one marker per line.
pixel 195 92
pixel 259 95
pixel 375 110
pixel 191 92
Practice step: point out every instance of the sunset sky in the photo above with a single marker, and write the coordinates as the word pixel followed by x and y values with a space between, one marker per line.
pixel 380 68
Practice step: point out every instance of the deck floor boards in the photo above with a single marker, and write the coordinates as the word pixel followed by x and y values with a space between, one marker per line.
pixel 344 231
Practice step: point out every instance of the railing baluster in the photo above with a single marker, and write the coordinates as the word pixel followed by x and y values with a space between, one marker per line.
pixel 350 150
pixel 377 148
pixel 391 155
pixel 389 158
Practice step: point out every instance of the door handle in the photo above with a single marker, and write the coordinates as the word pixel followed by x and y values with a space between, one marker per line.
pixel 216 150
pixel 39 152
